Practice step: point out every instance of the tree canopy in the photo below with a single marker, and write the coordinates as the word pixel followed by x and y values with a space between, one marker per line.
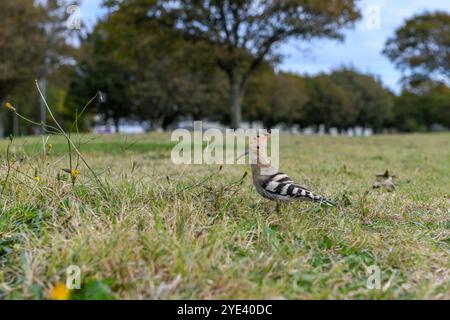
pixel 422 47
pixel 34 43
pixel 242 34
pixel 371 102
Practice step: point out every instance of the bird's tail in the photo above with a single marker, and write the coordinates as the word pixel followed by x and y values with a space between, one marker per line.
pixel 305 194
pixel 326 202
pixel 322 201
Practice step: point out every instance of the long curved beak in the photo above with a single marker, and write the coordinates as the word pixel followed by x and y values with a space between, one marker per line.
pixel 243 155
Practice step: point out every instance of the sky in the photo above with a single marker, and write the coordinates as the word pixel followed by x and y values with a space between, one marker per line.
pixel 361 48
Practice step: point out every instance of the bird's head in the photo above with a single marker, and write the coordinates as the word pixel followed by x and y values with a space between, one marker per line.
pixel 258 145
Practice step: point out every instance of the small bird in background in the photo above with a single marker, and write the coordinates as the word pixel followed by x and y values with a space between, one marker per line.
pixel 276 186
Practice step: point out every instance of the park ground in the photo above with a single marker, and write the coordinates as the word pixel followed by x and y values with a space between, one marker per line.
pixel 149 229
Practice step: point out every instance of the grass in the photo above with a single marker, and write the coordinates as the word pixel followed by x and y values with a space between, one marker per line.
pixel 154 232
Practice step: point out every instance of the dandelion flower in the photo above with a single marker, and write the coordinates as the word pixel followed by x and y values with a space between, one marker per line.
pixel 9 106
pixel 37 178
pixel 74 173
pixel 50 146
pixel 60 292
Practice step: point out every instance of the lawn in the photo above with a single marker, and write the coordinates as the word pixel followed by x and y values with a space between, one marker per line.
pixel 155 230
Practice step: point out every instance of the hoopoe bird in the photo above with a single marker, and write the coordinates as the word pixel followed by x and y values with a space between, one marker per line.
pixel 276 186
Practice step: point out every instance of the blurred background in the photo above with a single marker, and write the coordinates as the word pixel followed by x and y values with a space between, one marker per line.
pixel 353 68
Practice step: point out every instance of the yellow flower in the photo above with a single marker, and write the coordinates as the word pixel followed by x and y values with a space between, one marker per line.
pixel 37 178
pixel 60 292
pixel 50 146
pixel 9 106
pixel 74 173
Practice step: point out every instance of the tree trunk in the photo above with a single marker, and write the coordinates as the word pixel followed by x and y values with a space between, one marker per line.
pixel 116 125
pixel 235 102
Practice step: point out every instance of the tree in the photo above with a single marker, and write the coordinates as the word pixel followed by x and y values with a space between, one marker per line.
pixel 421 111
pixel 372 102
pixel 422 45
pixel 330 104
pixel 100 69
pixel 274 97
pixel 258 98
pixel 169 75
pixel 438 102
pixel 290 99
pixel 26 36
pixel 242 34
pixel 33 44
pixel 201 88
pixel 150 76
pixel 408 112
pixel 22 29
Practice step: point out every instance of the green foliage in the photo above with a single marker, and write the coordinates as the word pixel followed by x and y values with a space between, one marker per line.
pixel 275 97
pixel 345 98
pixel 289 99
pixel 34 44
pixel 94 290
pixel 22 29
pixel 421 45
pixel 330 104
pixel 100 70
pixel 153 76
pixel 369 99
pixel 418 111
pixel 242 38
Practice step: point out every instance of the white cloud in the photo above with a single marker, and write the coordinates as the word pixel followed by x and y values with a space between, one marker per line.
pixel 362 46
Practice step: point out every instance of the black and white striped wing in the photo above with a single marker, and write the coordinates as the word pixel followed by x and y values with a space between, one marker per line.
pixel 280 187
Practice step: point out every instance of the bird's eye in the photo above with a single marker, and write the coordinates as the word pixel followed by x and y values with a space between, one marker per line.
pixel 257 147
pixel 269 131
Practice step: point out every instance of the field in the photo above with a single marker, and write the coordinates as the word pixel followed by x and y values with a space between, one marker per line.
pixel 155 230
